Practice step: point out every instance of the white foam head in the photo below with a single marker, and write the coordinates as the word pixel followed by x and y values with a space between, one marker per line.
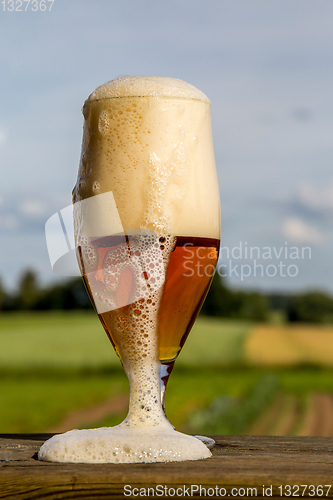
pixel 147 86
pixel 149 141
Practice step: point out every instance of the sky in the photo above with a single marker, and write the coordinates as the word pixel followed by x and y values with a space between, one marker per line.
pixel 266 66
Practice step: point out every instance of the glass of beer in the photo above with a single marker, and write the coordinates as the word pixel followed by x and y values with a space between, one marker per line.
pixel 147 228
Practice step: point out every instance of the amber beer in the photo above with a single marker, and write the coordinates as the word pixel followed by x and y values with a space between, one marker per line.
pixel 188 277
pixel 185 291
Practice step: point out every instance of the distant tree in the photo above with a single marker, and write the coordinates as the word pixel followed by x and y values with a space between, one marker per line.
pixel 254 306
pixel 224 302
pixel 2 294
pixel 28 290
pixel 218 300
pixel 312 307
pixel 67 296
pixel 279 301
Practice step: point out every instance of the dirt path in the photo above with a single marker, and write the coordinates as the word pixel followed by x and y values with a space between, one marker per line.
pixel 284 416
pixel 278 419
pixel 319 418
pixel 92 415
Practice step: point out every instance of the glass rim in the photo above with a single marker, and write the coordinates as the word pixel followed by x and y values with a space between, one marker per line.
pixel 176 98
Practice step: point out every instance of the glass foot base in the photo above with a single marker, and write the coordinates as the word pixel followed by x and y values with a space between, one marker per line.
pixel 209 442
pixel 123 444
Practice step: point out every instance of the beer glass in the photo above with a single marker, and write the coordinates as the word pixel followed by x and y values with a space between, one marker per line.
pixel 147 228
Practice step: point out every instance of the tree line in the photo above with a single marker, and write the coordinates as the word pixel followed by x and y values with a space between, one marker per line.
pixel 221 301
pixel 310 307
pixel 31 296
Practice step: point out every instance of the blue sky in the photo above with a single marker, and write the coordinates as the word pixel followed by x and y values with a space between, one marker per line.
pixel 266 65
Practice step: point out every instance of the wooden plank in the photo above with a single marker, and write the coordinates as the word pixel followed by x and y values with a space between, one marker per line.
pixel 237 462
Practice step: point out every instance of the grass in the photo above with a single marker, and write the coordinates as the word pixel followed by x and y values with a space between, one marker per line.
pixel 49 341
pixel 54 363
pixel 195 397
pixel 37 403
pixel 192 391
pixel 77 341
pixel 232 415
pixel 213 342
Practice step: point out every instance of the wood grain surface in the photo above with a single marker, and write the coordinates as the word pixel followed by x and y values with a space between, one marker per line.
pixel 238 462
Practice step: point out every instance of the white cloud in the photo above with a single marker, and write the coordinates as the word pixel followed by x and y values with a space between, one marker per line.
pixel 299 232
pixel 317 198
pixel 32 208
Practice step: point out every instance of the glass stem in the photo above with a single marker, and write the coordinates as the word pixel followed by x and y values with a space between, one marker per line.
pixel 166 369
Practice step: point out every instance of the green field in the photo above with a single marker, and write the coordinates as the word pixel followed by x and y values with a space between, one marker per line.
pixel 77 341
pixel 52 364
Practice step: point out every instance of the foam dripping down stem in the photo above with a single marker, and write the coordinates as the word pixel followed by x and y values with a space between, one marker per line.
pixel 145 405
pixel 145 435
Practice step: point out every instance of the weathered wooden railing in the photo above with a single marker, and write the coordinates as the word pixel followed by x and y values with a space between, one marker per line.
pixel 241 466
